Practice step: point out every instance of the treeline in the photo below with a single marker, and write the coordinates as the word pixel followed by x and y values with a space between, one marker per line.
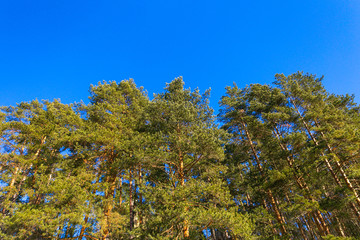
pixel 283 165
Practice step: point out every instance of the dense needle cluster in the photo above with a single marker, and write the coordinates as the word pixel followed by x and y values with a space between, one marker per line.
pixel 283 165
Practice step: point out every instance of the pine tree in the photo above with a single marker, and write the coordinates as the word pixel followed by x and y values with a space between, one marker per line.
pixel 33 137
pixel 284 164
pixel 115 119
pixel 327 120
pixel 190 196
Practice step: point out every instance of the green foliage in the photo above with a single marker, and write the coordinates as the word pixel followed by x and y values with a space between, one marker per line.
pixel 283 165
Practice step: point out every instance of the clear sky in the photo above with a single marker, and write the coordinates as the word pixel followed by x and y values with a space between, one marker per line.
pixel 56 49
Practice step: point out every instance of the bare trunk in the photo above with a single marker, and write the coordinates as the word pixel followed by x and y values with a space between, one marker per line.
pixel 300 226
pixel 82 231
pixel 340 229
pixel 131 199
pixel 14 193
pixel 303 186
pixel 213 234
pixel 185 228
pixel 140 197
pixel 120 192
pixel 268 192
pixel 341 169
pixel 11 188
pixel 109 194
pixel 273 229
pixel 182 182
pixel 12 182
pixel 331 170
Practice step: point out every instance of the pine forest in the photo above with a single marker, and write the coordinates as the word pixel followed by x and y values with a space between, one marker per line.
pixel 279 161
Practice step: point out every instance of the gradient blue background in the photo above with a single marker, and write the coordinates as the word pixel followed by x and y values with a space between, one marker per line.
pixel 56 49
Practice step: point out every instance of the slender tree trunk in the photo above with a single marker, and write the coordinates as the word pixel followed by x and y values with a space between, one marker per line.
pixel 13 194
pixel 82 231
pixel 300 227
pixel 299 223
pixel 275 232
pixel 108 201
pixel 182 183
pixel 13 179
pixel 120 191
pixel 341 169
pixel 310 229
pixel 131 199
pixel 108 206
pixel 340 229
pixel 303 186
pixel 268 192
pixel 22 182
pixel 185 228
pixel 331 170
pixel 11 188
pixel 140 197
pixel 213 234
pixel 318 224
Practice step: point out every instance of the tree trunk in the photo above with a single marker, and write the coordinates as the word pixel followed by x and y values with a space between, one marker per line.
pixel 109 194
pixel 303 186
pixel 299 223
pixel 268 192
pixel 331 170
pixel 341 169
pixel 82 231
pixel 131 199
pixel 186 232
pixel 140 197
pixel 120 191
pixel 185 228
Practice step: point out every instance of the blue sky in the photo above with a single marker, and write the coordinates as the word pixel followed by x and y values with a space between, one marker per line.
pixel 56 49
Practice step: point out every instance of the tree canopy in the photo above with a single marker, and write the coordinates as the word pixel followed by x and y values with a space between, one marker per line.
pixel 279 161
